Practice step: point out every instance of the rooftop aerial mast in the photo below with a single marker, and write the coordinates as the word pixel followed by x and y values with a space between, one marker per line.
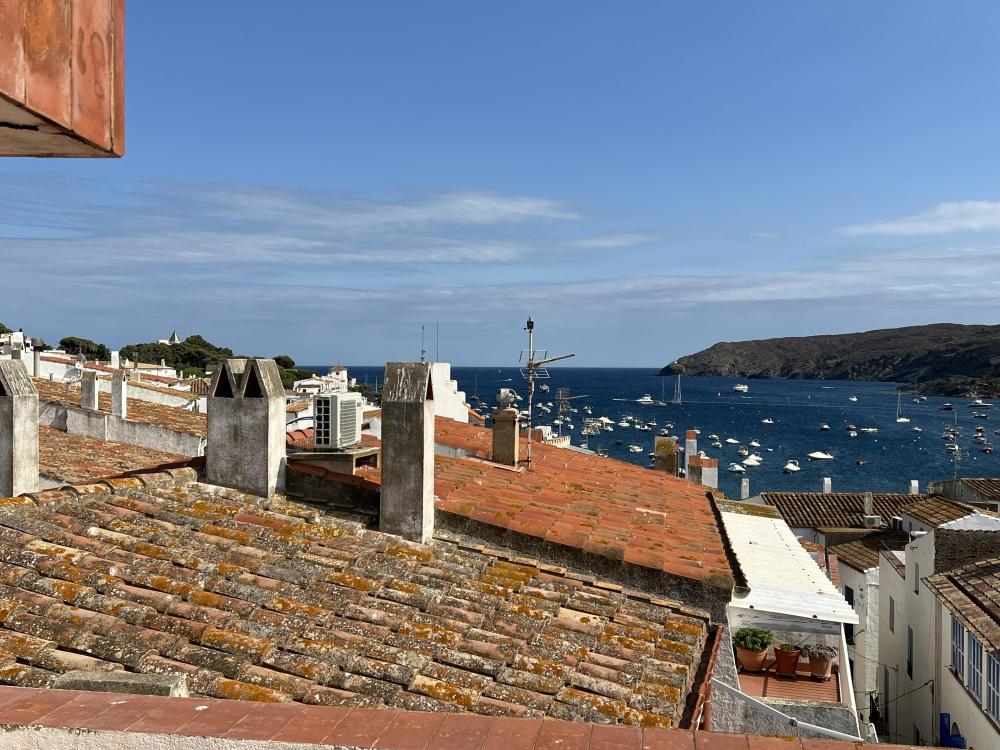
pixel 534 369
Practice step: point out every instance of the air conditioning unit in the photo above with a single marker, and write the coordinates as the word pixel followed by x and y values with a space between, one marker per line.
pixel 337 420
pixel 873 522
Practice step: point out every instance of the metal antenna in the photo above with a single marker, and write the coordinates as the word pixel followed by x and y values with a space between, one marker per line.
pixel 423 351
pixel 563 402
pixel 534 369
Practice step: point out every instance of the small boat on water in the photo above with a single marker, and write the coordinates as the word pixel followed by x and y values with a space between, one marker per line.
pixel 743 450
pixel 869 430
pixel 915 428
pixel 947 407
pixel 987 447
pixel 767 420
pixel 753 460
pixel 645 399
pixel 980 415
pixel 824 427
pixel 635 449
pixel 753 443
pixel 851 427
pixel 713 436
pixel 852 433
pixel 741 388
pixel 900 419
pixel 716 443
pixel 860 462
pixel 980 402
pixel 792 466
pixel 736 468
pixel 852 398
pixel 732 441
pixel 952 448
pixel 820 456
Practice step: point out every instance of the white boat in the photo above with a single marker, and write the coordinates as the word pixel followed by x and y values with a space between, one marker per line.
pixel 869 430
pixel 824 427
pixel 645 399
pixel 752 460
pixel 736 468
pixel 852 398
pixel 623 423
pixel 917 429
pixel 820 456
pixel 743 450
pixel 980 402
pixel 713 436
pixel 767 420
pixel 753 443
pixel 899 409
pixel 741 388
pixel 952 448
pixel 792 466
pixel 732 441
pixel 641 427
pixel 651 423
pixel 716 443
pixel 852 433
pixel 635 449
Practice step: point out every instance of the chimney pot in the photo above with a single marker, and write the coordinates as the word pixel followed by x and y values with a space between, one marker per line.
pixel 506 437
pixel 119 396
pixel 88 390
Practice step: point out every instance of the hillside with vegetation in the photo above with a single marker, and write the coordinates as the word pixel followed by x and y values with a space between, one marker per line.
pixel 944 358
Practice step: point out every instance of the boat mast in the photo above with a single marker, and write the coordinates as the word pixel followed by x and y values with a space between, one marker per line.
pixel 677 390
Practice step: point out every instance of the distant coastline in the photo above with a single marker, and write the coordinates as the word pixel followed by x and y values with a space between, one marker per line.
pixel 943 359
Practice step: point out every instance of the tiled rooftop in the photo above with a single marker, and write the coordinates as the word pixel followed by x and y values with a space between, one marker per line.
pixel 600 505
pixel 297 406
pixel 272 601
pixel 39 710
pixel 934 511
pixel 98 367
pixel 170 417
pixel 73 459
pixel 972 593
pixel 862 554
pixel 815 510
pixel 987 488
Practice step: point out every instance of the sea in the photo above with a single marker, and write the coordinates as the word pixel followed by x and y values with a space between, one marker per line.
pixel 885 461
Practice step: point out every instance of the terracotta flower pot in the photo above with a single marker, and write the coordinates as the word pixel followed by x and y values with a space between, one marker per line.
pixel 821 668
pixel 751 661
pixel 786 662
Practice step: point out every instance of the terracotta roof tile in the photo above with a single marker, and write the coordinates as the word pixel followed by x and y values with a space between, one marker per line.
pixel 75 459
pixel 267 600
pixel 812 510
pixel 170 417
pixel 972 594
pixel 934 511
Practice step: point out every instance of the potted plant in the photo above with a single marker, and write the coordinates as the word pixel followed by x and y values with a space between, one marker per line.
pixel 820 660
pixel 786 657
pixel 751 647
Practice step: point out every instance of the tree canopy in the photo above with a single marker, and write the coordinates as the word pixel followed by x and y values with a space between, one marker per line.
pixel 86 347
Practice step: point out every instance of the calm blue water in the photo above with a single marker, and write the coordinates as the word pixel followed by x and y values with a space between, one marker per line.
pixel 892 457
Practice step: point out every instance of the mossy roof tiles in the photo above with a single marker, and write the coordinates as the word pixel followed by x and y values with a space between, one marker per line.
pixel 272 601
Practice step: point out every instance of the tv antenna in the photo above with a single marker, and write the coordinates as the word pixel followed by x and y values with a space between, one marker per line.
pixel 563 403
pixel 423 349
pixel 534 369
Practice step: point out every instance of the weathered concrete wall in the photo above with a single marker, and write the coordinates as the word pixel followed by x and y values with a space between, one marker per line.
pixel 407 497
pixel 88 391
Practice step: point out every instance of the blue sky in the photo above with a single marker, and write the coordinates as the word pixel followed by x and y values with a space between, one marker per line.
pixel 643 178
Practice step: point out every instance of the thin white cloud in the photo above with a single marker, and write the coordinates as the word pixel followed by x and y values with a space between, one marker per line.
pixel 955 216
pixel 614 240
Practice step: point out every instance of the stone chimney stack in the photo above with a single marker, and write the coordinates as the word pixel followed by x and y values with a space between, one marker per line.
pixel 246 427
pixel 506 436
pixel 119 395
pixel 710 472
pixel 666 454
pixel 690 447
pixel 88 390
pixel 827 485
pixel 115 360
pixel 407 494
pixel 914 486
pixel 745 488
pixel 18 430
pixel 869 504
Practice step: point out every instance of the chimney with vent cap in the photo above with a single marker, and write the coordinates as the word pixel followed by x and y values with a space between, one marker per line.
pixel 506 438
pixel 406 498
pixel 246 427
pixel 18 430
pixel 88 390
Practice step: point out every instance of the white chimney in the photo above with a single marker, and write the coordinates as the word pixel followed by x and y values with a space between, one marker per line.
pixel 18 430
pixel 119 396
pixel 914 486
pixel 871 520
pixel 869 504
pixel 88 390
pixel 745 488
pixel 115 360
pixel 827 485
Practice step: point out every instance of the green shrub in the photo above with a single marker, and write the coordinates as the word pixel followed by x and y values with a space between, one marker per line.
pixel 753 639
pixel 788 647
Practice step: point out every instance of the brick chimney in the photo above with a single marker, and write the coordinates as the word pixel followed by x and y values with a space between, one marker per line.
pixel 406 505
pixel 18 430
pixel 119 396
pixel 88 390
pixel 246 427
pixel 505 436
